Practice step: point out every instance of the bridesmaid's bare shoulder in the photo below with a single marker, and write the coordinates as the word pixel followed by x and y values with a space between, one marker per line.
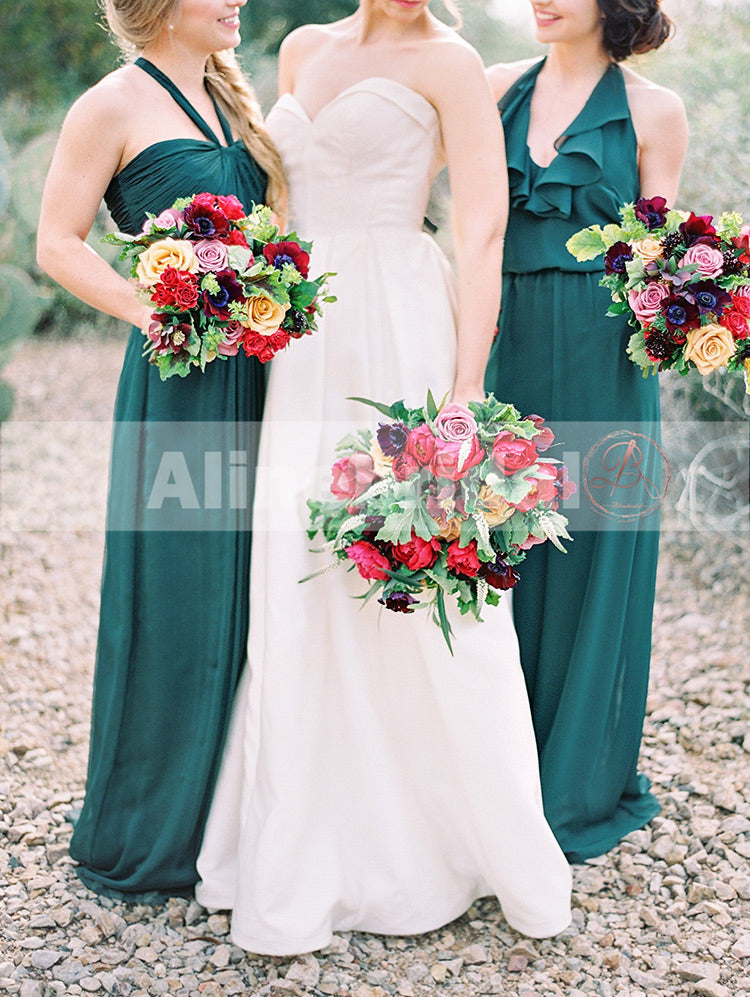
pixel 658 113
pixel 503 74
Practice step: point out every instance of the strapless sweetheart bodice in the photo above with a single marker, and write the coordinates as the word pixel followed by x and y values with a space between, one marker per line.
pixel 367 159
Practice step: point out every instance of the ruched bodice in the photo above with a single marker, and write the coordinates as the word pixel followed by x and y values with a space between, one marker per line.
pixel 349 169
pixel 179 167
pixel 594 172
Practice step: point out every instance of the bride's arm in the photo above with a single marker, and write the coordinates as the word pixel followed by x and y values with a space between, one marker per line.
pixel 86 158
pixel 475 152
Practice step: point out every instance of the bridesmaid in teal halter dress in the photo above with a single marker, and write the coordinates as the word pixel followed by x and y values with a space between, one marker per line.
pixel 583 136
pixel 174 618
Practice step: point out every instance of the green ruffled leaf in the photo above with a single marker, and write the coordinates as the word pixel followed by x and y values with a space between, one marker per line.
pixel 636 350
pixel 587 244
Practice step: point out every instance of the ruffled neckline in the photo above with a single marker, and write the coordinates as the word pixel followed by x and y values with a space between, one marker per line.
pixel 547 191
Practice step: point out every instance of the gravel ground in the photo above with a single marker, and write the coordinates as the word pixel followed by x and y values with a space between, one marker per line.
pixel 666 912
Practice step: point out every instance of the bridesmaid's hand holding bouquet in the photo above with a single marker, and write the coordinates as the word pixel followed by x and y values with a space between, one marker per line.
pixel 683 282
pixel 218 280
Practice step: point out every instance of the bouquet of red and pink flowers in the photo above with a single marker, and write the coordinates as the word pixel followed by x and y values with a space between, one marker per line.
pixel 220 280
pixel 683 282
pixel 443 501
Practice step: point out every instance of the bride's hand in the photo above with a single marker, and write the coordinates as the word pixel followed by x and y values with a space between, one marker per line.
pixel 462 394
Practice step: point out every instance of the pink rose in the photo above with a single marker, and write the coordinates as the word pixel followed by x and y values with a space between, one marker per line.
pixel 455 423
pixel 543 489
pixel 646 303
pixel 453 460
pixel 417 553
pixel 546 437
pixel 530 541
pixel 230 344
pixel 370 562
pixel 352 475
pixel 164 220
pixel 211 255
pixel 512 453
pixel 710 261
pixel 420 445
pixel 565 487
pixel 463 560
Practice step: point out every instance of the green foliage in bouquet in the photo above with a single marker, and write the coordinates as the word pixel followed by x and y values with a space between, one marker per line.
pixel 442 501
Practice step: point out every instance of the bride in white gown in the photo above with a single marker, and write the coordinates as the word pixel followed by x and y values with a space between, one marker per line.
pixel 371 781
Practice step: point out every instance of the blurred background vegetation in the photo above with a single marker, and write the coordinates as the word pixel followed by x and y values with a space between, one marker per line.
pixel 51 52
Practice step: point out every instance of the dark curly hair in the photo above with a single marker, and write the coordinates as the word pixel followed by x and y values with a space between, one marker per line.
pixel 632 27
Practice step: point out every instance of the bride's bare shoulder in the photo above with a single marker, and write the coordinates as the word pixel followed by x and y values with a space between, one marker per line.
pixel 309 37
pixel 503 74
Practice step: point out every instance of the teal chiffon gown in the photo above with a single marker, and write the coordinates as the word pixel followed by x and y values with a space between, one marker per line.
pixel 174 601
pixel 583 618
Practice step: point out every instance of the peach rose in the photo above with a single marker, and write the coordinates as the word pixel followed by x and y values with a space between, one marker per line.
pixel 383 464
pixel 494 507
pixel 649 249
pixel 709 347
pixel 264 315
pixel 451 530
pixel 152 262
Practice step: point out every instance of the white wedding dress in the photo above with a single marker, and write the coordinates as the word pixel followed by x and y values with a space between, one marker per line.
pixel 370 781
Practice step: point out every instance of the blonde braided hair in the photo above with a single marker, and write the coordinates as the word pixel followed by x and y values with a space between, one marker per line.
pixel 228 86
pixel 137 23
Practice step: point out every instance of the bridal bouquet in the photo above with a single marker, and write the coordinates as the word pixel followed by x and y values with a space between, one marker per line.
pixel 442 501
pixel 220 280
pixel 683 282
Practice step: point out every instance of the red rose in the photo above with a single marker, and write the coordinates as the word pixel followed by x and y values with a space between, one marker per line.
pixel 420 444
pixel 236 238
pixel 513 453
pixel 454 459
pixel 736 323
pixel 741 304
pixel 742 241
pixel 264 348
pixel 352 475
pixel 186 295
pixel 231 206
pixel 170 277
pixel 162 296
pixel 370 562
pixel 403 466
pixel 417 553
pixel 463 560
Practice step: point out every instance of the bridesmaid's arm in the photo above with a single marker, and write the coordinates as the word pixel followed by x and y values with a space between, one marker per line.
pixel 87 156
pixel 475 152
pixel 502 74
pixel 661 128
